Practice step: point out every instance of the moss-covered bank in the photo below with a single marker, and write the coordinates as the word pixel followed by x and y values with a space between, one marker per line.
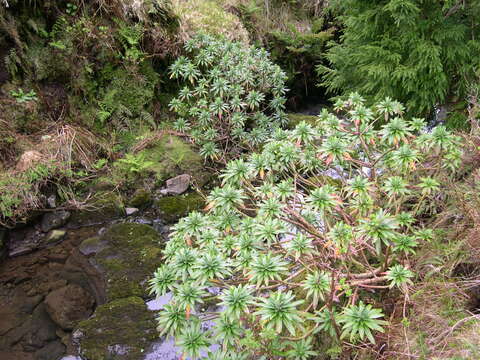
pixel 127 254
pixel 120 330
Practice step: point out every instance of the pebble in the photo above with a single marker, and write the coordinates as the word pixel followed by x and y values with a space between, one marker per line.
pixel 130 211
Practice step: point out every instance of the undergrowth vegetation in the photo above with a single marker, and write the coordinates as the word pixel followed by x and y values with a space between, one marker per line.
pixel 352 234
pixel 302 241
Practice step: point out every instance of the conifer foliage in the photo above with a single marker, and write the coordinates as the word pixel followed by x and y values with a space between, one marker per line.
pixel 419 52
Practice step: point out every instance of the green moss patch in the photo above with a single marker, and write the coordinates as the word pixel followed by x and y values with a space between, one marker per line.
pixel 121 329
pixel 141 199
pixel 294 119
pixel 208 16
pixel 131 255
pixel 103 206
pixel 174 207
pixel 171 157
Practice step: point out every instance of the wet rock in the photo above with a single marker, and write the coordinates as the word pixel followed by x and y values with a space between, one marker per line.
pixel 54 285
pixel 68 305
pixel 141 199
pixel 92 246
pixel 177 185
pixel 54 220
pixel 54 350
pixel 130 211
pixel 59 257
pixel 41 330
pixel 21 250
pixel 54 236
pixel 120 330
pixel 144 221
pixel 20 276
pixel 79 270
pixel 30 303
pixel 52 201
pixel 174 207
pixel 127 261
pixel 24 241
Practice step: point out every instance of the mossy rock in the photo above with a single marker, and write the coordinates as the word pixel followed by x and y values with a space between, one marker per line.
pixel 120 330
pixel 129 254
pixel 294 119
pixel 173 208
pixel 171 156
pixel 104 206
pixel 141 199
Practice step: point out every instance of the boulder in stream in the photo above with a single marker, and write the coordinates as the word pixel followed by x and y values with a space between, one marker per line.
pixel 54 220
pixel 120 330
pixel 68 305
pixel 127 256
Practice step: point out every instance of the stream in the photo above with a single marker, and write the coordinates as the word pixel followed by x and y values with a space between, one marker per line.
pixel 48 286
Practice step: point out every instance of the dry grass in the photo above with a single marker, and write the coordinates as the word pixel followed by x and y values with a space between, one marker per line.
pixel 49 158
pixel 443 307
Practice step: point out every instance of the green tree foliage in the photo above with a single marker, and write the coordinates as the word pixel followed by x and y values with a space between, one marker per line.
pixel 232 94
pixel 295 233
pixel 419 52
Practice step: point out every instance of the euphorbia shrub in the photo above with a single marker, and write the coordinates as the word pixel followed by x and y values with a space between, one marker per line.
pixel 232 95
pixel 298 237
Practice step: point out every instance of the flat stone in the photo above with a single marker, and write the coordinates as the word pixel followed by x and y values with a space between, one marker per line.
pixel 24 241
pixel 52 201
pixel 130 211
pixel 178 185
pixel 54 236
pixel 54 220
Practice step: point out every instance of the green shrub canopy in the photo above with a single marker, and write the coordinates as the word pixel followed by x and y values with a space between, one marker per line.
pixel 295 233
pixel 233 95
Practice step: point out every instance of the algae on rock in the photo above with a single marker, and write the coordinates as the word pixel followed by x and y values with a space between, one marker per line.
pixel 128 255
pixel 120 330
pixel 104 206
pixel 174 207
pixel 141 199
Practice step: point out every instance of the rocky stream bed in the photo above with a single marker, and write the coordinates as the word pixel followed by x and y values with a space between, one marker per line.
pixel 75 285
